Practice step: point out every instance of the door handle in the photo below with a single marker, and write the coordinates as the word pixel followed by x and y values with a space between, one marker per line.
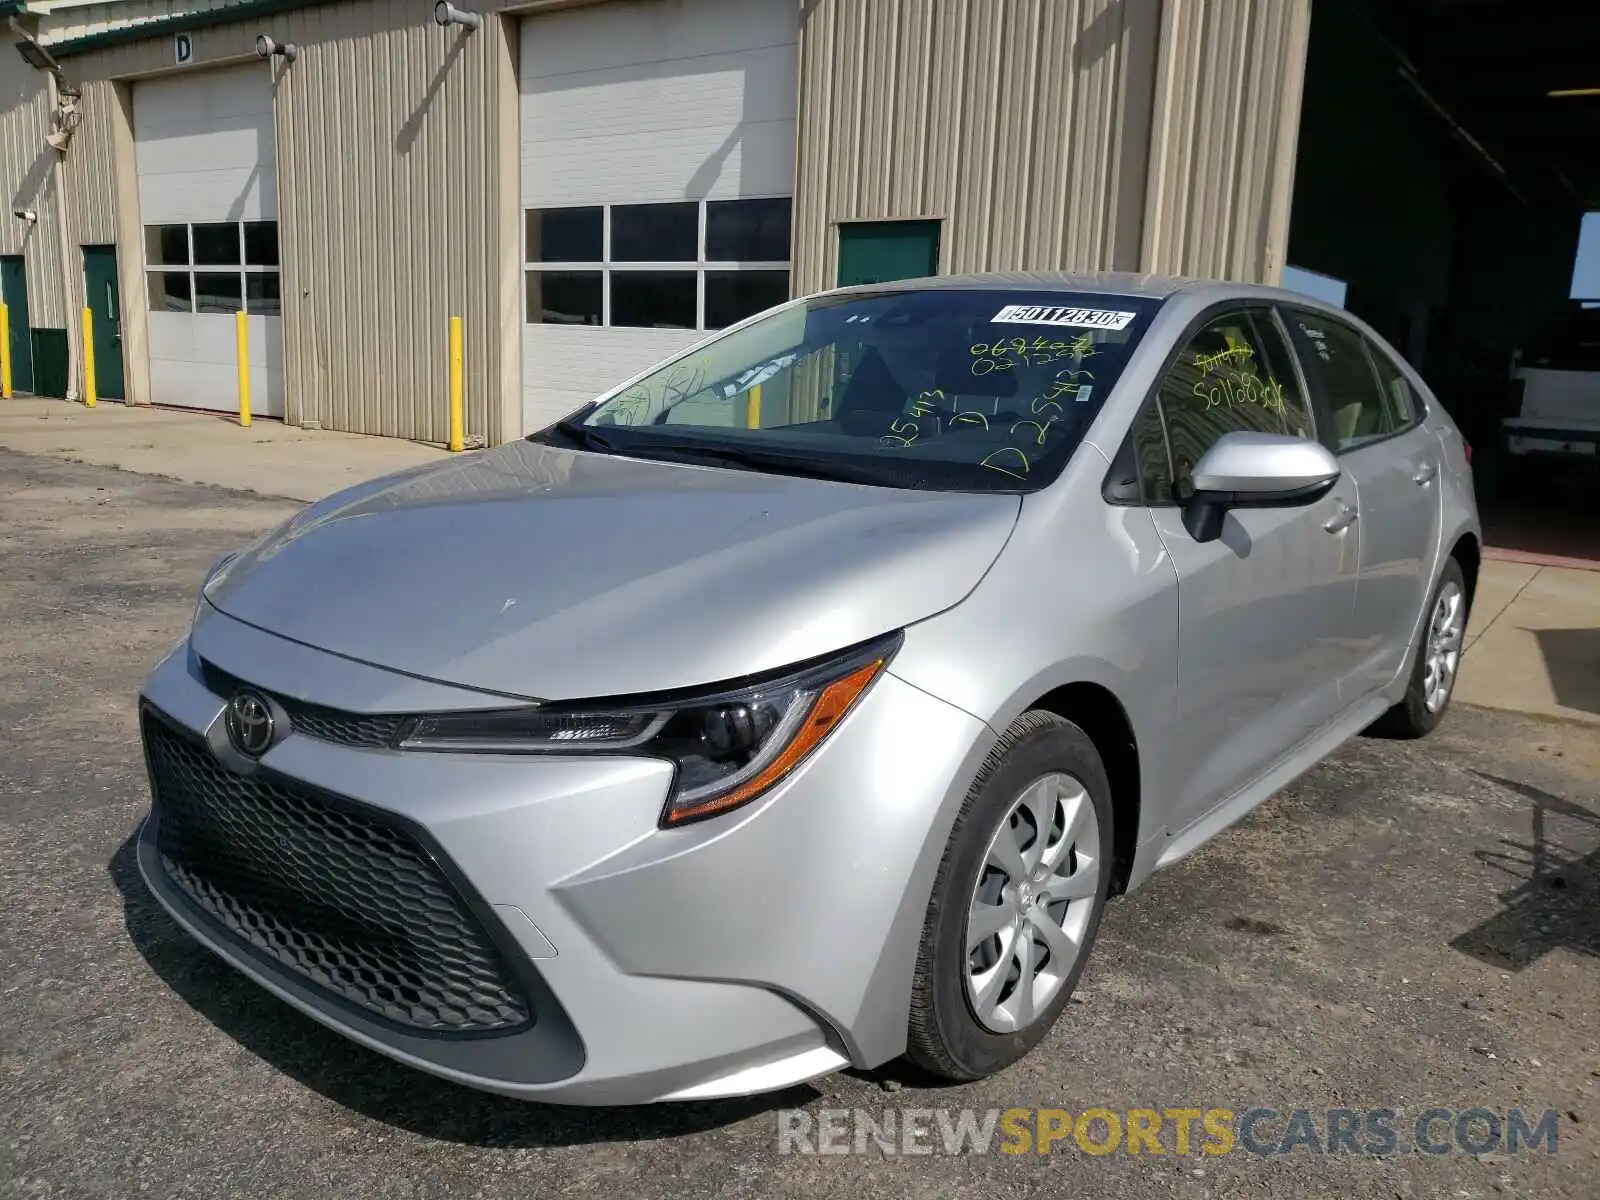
pixel 1425 474
pixel 1341 520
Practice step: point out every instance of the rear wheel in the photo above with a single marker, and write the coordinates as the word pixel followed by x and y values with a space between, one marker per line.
pixel 1016 903
pixel 1433 674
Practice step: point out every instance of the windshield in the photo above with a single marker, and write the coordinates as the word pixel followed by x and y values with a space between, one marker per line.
pixel 952 389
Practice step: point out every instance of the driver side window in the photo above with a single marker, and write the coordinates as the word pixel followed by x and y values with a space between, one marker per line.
pixel 1233 375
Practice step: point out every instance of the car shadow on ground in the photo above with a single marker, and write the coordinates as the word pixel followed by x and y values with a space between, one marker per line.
pixel 1555 900
pixel 376 1087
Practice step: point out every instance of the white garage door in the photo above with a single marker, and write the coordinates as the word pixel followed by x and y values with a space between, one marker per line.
pixel 208 199
pixel 658 143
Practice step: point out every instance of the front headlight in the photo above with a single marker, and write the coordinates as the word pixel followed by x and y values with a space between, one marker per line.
pixel 729 747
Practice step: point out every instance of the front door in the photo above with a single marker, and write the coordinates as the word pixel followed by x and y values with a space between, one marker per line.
pixel 1265 608
pixel 100 292
pixel 14 294
pixel 880 251
pixel 1374 424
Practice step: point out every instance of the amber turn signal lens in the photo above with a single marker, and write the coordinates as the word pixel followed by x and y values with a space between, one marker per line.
pixel 827 710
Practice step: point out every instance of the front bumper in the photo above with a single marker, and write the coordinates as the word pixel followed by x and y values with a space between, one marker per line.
pixel 742 954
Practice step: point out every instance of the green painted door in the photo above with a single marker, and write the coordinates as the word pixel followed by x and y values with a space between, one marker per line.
pixel 878 251
pixel 14 293
pixel 100 288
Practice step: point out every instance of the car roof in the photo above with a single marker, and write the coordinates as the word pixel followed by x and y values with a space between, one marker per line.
pixel 1113 283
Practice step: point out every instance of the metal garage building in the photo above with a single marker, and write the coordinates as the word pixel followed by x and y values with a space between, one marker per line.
pixel 590 184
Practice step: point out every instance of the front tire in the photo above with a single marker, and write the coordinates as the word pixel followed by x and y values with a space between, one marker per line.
pixel 1016 903
pixel 1438 661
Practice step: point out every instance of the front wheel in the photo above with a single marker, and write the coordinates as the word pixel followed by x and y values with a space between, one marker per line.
pixel 1016 903
pixel 1438 661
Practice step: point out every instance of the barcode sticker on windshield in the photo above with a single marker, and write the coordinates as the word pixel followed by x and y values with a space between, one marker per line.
pixel 1076 318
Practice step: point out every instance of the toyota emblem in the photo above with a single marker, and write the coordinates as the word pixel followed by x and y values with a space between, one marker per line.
pixel 250 726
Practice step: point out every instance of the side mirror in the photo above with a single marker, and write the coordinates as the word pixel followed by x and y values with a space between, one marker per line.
pixel 1254 470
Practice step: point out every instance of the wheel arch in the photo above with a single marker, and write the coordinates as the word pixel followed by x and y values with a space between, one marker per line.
pixel 1468 552
pixel 1096 710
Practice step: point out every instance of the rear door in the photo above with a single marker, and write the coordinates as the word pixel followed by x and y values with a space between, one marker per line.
pixel 105 308
pixel 1372 419
pixel 1265 609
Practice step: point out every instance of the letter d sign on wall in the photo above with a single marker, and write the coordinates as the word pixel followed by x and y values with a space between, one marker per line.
pixel 182 48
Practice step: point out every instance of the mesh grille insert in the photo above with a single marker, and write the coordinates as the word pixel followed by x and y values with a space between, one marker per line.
pixel 333 894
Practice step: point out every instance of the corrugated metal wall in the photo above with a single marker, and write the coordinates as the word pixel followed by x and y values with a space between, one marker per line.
pixel 1131 134
pixel 1154 135
pixel 89 169
pixel 1024 124
pixel 397 183
pixel 29 174
pixel 1227 120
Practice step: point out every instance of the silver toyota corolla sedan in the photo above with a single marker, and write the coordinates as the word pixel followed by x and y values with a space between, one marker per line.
pixel 801 702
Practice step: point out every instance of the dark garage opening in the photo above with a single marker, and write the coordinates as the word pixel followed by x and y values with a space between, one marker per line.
pixel 1449 152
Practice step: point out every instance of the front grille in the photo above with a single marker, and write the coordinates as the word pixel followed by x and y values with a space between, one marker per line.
pixel 335 895
pixel 374 731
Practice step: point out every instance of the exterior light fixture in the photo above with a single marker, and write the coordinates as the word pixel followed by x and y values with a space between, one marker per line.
pixel 266 47
pixel 446 14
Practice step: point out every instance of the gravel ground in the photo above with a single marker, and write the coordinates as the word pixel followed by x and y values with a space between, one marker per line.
pixel 1412 924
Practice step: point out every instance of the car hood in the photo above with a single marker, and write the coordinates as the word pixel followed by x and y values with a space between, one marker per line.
pixel 547 573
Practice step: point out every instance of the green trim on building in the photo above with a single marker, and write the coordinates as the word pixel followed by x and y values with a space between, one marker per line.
pixel 182 23
pixel 50 368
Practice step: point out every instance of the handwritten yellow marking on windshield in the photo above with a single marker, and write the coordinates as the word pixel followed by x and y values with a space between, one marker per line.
pixel 1020 456
pixel 1036 425
pixel 969 418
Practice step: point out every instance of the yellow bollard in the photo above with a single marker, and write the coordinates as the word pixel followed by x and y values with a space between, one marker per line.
pixel 241 341
pixel 89 396
pixel 752 408
pixel 5 351
pixel 457 411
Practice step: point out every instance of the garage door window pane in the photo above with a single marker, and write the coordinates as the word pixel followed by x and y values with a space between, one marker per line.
pixel 169 292
pixel 216 244
pixel 166 245
pixel 217 293
pixel 564 298
pixel 655 233
pixel 747 230
pixel 566 235
pixel 734 295
pixel 653 299
pixel 261 243
pixel 261 294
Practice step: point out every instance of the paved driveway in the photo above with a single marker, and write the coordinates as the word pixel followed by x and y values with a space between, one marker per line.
pixel 1410 925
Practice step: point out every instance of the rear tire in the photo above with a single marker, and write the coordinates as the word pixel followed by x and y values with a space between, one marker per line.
pixel 1437 663
pixel 1031 856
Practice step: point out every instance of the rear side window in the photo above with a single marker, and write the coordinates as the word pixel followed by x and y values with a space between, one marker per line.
pixel 1400 402
pixel 1233 375
pixel 1340 375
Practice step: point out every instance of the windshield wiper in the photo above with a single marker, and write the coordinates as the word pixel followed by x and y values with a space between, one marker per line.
pixel 586 436
pixel 775 463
